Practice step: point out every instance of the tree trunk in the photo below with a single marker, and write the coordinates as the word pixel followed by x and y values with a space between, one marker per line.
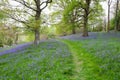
pixel 116 15
pixel 108 27
pixel 104 26
pixel 85 29
pixel 37 37
pixel 73 30
pixel 109 4
pixel 16 38
pixel 92 29
pixel 86 14
pixel 37 28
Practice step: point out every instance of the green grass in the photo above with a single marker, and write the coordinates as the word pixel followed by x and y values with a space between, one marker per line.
pixel 50 60
pixel 99 59
pixel 86 65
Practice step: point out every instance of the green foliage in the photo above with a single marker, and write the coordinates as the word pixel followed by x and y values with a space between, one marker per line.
pixel 32 24
pixel 112 24
pixel 96 28
pixel 73 14
pixel 1 43
pixel 48 31
pixel 1 37
pixel 68 11
pixel 70 15
pixel 65 13
pixel 62 29
pixel 114 20
pixel 7 34
pixel 29 36
pixel 2 15
pixel 9 42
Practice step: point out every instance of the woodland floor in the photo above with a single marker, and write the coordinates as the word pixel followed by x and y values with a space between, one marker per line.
pixel 72 57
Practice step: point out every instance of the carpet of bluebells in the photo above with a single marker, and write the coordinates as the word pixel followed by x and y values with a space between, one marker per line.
pixel 51 60
pixel 107 53
pixel 96 57
pixel 13 49
pixel 100 56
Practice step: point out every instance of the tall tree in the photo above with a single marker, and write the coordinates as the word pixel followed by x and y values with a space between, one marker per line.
pixel 71 16
pixel 33 8
pixel 66 13
pixel 89 7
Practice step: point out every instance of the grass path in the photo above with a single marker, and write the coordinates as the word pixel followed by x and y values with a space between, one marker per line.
pixel 77 66
pixel 86 67
pixel 76 61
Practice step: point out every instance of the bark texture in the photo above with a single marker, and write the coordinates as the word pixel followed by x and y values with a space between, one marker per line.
pixel 86 15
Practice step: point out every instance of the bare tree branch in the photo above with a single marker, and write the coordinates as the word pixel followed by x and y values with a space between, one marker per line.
pixel 46 4
pixel 29 13
pixel 23 2
pixel 18 20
